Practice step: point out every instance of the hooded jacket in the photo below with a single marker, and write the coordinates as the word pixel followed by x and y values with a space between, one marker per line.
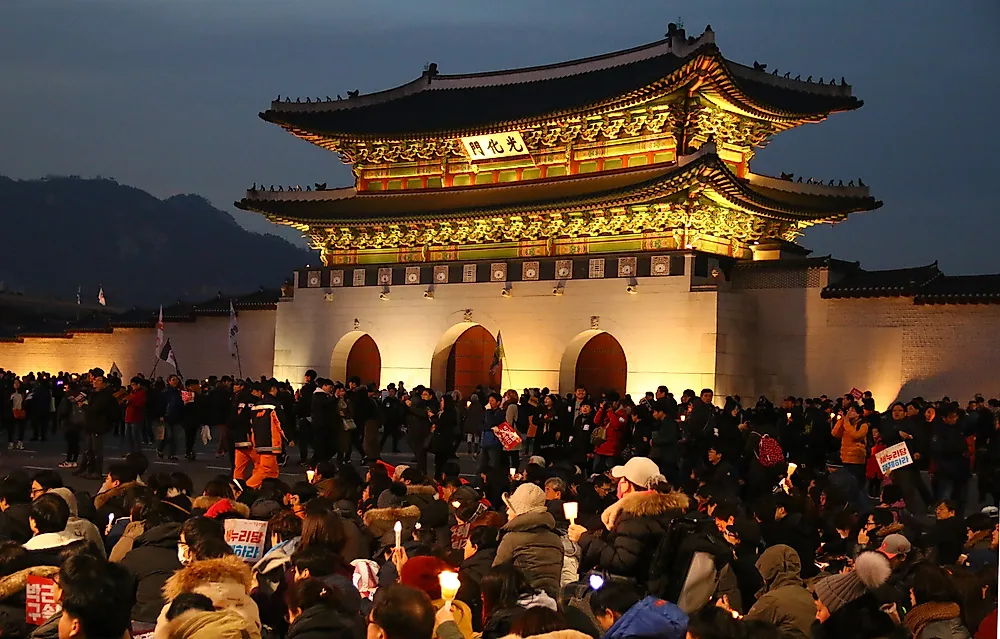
pixel 203 503
pixel 152 560
pixel 51 549
pixel 14 523
pixel 126 542
pixel 470 575
pixel 651 617
pixel 635 523
pixel 198 624
pixel 324 622
pixel 226 581
pixel 530 543
pixel 380 522
pixel 784 600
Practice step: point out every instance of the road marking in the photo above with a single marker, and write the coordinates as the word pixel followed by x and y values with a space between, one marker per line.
pixel 39 467
pixel 166 463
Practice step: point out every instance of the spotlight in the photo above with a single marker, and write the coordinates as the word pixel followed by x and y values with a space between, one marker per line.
pixel 506 292
pixel 557 290
pixel 632 289
pixel 384 296
pixel 428 294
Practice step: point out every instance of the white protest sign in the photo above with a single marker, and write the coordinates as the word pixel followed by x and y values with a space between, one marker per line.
pixel 893 457
pixel 246 536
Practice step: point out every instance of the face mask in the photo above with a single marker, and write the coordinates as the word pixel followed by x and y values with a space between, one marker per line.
pixel 623 488
pixel 182 556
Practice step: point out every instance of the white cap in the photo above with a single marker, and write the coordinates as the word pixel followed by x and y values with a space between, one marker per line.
pixel 638 470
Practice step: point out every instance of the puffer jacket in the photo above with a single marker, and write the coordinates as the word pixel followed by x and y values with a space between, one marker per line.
pixel 635 524
pixel 470 575
pixel 226 581
pixel 784 600
pixel 152 560
pixel 126 542
pixel 530 543
pixel 324 622
pixel 12 622
pixel 936 620
pixel 380 522
pixel 853 441
pixel 198 624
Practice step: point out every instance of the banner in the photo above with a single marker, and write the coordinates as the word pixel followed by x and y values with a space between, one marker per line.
pixel 246 536
pixel 893 457
pixel 40 600
pixel 857 394
pixel 508 436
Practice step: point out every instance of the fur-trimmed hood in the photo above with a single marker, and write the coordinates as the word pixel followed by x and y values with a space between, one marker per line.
pixel 558 634
pixel 230 569
pixel 198 624
pixel 979 539
pixel 889 529
pixel 204 502
pixel 428 492
pixel 101 499
pixel 17 582
pixel 648 503
pixel 376 516
pixel 47 541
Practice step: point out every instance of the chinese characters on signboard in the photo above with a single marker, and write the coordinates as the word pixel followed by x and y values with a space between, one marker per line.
pixel 246 537
pixel 496 145
pixel 40 600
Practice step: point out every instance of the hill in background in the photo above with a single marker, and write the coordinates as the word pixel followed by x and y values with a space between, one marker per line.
pixel 64 232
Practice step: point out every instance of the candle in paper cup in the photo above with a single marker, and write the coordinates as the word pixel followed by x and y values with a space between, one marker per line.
pixel 399 532
pixel 310 474
pixel 456 504
pixel 449 585
pixel 570 509
pixel 788 415
pixel 791 469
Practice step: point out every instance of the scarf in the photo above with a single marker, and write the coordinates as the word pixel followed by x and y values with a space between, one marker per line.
pixel 925 613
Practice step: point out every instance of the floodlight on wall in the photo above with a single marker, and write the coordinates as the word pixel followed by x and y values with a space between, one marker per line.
pixel 328 296
pixel 384 295
pixel 559 288
pixel 507 291
pixel 429 293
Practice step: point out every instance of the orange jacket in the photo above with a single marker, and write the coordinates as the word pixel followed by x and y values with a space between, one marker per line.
pixel 853 441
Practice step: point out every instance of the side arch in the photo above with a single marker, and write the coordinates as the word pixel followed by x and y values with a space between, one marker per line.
pixel 356 353
pixel 596 360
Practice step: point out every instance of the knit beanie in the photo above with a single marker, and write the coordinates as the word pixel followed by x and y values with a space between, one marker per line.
pixel 422 573
pixel 392 497
pixel 528 498
pixel 871 570
pixel 264 509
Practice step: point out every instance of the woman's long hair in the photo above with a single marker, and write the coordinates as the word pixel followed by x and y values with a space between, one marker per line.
pixel 501 588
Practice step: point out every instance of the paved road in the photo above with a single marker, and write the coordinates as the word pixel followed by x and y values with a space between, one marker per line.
pixel 49 454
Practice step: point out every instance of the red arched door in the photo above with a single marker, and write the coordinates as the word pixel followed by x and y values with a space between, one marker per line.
pixel 365 361
pixel 469 362
pixel 601 365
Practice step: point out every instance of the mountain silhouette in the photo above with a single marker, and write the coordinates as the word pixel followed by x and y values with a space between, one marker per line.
pixel 67 232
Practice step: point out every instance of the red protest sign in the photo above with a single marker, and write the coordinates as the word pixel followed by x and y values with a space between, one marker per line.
pixel 40 600
pixel 508 436
pixel 857 394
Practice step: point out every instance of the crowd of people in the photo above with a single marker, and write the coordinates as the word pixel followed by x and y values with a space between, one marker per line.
pixel 588 515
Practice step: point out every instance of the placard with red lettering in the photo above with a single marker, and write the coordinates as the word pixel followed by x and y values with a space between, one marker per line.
pixel 857 394
pixel 246 536
pixel 893 457
pixel 40 600
pixel 187 396
pixel 508 436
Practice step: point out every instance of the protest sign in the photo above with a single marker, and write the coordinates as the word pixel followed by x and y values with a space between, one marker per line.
pixel 39 600
pixel 246 536
pixel 857 394
pixel 893 457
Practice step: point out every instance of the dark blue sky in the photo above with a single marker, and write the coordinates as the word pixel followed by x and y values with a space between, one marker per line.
pixel 164 94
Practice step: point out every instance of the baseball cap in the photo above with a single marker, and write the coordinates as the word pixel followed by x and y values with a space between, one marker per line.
pixel 638 470
pixel 894 544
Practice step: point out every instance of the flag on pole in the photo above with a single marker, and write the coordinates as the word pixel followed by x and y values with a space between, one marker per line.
pixel 498 355
pixel 234 329
pixel 100 297
pixel 159 334
pixel 78 290
pixel 167 354
pixel 115 371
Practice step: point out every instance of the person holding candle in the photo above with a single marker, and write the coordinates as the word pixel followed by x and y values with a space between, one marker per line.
pixel 529 540
pixel 424 573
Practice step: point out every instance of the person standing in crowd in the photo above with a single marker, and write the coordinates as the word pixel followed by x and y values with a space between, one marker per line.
pixel 173 417
pixel 100 412
pixel 419 413
pixel 18 416
pixel 135 415
pixel 393 414
pixel 852 432
pixel 303 413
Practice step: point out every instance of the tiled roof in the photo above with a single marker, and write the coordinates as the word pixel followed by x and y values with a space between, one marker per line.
pixel 904 282
pixel 611 188
pixel 961 289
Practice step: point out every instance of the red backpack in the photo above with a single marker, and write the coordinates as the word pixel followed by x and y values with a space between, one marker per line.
pixel 769 452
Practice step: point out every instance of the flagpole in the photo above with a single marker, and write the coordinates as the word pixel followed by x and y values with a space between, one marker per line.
pixel 239 365
pixel 153 372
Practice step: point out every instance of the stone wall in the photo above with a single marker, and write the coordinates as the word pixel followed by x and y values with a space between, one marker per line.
pixel 202 348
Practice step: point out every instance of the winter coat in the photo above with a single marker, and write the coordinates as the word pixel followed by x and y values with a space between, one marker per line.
pixel 491 417
pixel 101 411
pixel 614 423
pixel 418 424
pixel 324 622
pixel 474 417
pixel 556 634
pixel 152 561
pixel 226 581
pixel 199 624
pixel 470 575
pixel 135 409
pixel 51 549
pixel 635 524
pixel 433 511
pixel 666 443
pixel 530 543
pixel 14 523
pixel 949 451
pixel 272 582
pixel 380 522
pixel 853 441
pixel 12 622
pixel 651 617
pixel 784 600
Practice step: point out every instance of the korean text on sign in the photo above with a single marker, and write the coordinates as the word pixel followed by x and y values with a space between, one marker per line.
pixel 496 145
pixel 893 457
pixel 40 600
pixel 246 537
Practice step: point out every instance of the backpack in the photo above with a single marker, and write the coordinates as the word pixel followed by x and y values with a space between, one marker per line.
pixel 769 452
pixel 666 561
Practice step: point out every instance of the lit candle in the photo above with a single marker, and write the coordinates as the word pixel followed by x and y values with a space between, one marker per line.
pixel 449 586
pixel 513 471
pixel 788 414
pixel 399 532
pixel 683 417
pixel 791 469
pixel 570 509
pixel 310 474
pixel 456 504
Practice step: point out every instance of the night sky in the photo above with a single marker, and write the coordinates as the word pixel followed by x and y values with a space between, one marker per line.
pixel 164 94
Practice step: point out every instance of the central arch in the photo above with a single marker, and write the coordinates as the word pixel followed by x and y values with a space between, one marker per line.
pixel 356 353
pixel 596 360
pixel 463 358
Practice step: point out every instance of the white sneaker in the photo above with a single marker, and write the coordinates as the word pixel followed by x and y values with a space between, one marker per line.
pixel 10 445
pixel 20 445
pixel 66 464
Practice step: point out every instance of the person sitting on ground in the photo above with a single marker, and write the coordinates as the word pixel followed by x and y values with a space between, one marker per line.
pixel 96 598
pixel 479 552
pixel 317 611
pixel 193 616
pixel 152 560
pixel 528 540
pixel 402 612
pixel 51 543
pixel 936 613
pixel 785 602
